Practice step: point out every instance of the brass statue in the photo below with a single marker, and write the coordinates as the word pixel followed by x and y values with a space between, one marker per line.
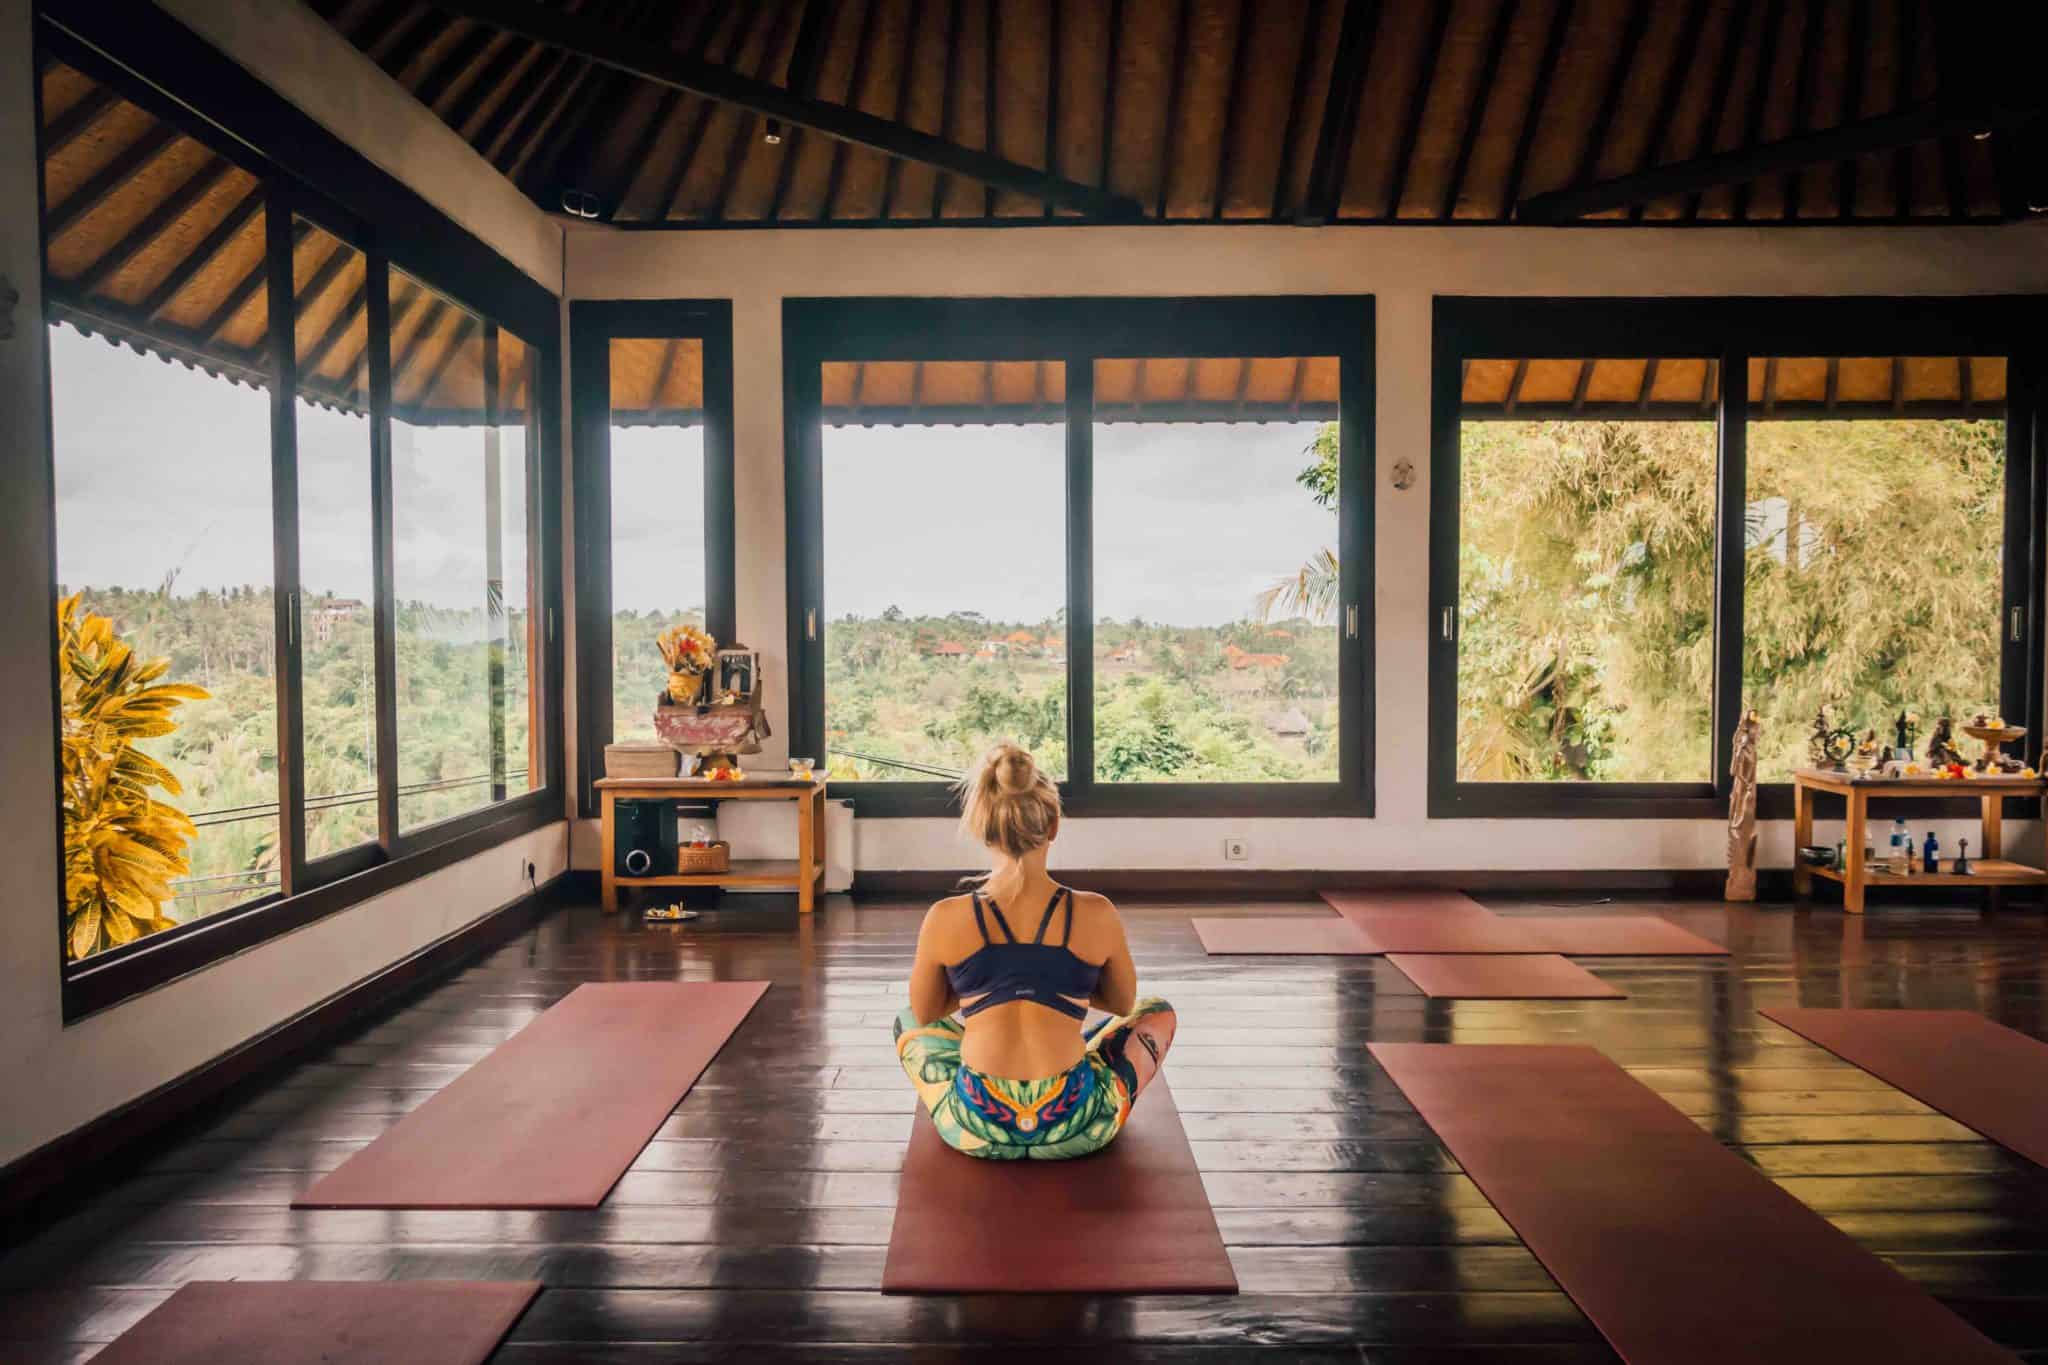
pixel 1742 812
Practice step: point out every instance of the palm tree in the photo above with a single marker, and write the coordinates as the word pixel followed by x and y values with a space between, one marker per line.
pixel 1311 592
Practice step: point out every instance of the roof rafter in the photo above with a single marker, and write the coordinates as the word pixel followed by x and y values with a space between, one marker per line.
pixel 1355 38
pixel 1882 133
pixel 606 47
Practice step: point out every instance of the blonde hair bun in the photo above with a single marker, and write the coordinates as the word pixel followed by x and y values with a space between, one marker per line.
pixel 1008 804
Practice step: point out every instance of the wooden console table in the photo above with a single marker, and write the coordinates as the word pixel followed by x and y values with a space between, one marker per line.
pixel 805 876
pixel 1989 870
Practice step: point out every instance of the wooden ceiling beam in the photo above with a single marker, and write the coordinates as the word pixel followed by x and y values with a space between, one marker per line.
pixel 1689 30
pixel 1803 117
pixel 245 288
pixel 344 321
pixel 563 159
pixel 130 162
pixel 1311 29
pixel 606 47
pixel 63 130
pixel 1234 100
pixel 1176 79
pixel 1532 117
pixel 1744 164
pixel 710 21
pixel 991 20
pixel 1111 65
pixel 1418 105
pixel 1326 174
pixel 1055 59
pixel 941 180
pixel 1475 110
pixel 893 172
pixel 1852 102
pixel 749 124
pixel 173 207
pixel 204 254
pixel 1610 99
pixel 858 78
pixel 693 139
pixel 1769 37
pixel 1717 101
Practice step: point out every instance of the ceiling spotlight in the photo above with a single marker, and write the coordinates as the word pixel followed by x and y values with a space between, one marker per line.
pixel 1981 135
pixel 581 203
pixel 772 133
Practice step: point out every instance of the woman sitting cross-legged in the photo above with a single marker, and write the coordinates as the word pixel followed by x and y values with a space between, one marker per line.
pixel 1022 958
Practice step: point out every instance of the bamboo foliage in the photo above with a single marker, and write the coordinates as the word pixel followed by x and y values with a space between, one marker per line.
pixel 122 845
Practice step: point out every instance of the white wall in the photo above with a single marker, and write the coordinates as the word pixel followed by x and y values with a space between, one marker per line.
pixel 56 1078
pixel 1404 268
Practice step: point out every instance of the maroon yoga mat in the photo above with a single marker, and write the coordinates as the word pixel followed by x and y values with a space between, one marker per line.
pixel 1291 935
pixel 1981 1074
pixel 554 1116
pixel 1405 903
pixel 1132 1219
pixel 1679 1251
pixel 1501 976
pixel 316 1322
pixel 1615 936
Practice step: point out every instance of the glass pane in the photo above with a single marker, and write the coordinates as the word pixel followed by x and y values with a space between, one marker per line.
pixel 337 652
pixel 945 566
pixel 163 523
pixel 657 439
pixel 1586 572
pixel 460 431
pixel 1873 581
pixel 1216 570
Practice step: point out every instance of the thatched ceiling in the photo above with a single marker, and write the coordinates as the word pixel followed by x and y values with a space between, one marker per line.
pixel 1203 110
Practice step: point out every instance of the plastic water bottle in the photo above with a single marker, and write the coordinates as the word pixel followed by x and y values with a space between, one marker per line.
pixel 1901 848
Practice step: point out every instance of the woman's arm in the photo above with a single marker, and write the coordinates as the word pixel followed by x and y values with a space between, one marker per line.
pixel 931 994
pixel 1117 991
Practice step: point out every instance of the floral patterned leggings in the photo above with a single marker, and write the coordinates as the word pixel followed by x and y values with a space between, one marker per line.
pixel 1076 1113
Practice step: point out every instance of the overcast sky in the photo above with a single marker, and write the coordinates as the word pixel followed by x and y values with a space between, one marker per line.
pixel 1193 522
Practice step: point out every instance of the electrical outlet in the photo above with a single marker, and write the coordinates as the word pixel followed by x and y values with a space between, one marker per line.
pixel 1236 850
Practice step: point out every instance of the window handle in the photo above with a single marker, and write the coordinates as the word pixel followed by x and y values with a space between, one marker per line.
pixel 291 618
pixel 811 623
pixel 2016 619
pixel 1449 627
pixel 1351 621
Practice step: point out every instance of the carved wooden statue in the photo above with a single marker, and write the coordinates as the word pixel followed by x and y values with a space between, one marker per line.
pixel 1941 745
pixel 1742 813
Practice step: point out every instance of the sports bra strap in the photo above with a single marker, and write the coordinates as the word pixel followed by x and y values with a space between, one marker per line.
pixel 1009 934
pixel 1067 925
pixel 975 898
pixel 1045 921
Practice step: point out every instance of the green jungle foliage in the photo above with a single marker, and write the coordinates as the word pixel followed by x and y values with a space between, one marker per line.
pixel 1872 584
pixel 223 751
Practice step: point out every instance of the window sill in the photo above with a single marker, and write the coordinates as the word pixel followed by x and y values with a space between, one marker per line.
pixel 121 973
pixel 1181 800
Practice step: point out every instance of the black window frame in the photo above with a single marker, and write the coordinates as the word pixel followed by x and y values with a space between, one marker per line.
pixel 593 325
pixel 149 59
pixel 1728 331
pixel 1078 332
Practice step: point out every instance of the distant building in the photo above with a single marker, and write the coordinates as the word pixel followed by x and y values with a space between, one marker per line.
pixel 1289 724
pixel 1238 658
pixel 948 649
pixel 331 615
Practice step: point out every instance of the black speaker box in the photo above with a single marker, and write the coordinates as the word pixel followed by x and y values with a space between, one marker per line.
pixel 644 839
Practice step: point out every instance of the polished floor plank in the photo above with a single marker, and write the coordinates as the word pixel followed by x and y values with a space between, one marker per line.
pixel 754 1225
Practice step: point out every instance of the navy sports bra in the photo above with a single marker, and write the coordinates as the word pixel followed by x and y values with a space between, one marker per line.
pixel 1043 973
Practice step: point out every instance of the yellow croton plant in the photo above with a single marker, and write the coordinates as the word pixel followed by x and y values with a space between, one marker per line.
pixel 122 846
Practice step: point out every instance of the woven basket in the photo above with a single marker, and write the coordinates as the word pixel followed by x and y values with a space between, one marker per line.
pixel 696 862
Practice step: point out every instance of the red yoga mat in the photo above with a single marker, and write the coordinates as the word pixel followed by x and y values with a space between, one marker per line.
pixel 1615 936
pixel 554 1116
pixel 1502 976
pixel 1289 936
pixel 316 1322
pixel 1679 1251
pixel 1981 1074
pixel 1131 1219
pixel 1437 903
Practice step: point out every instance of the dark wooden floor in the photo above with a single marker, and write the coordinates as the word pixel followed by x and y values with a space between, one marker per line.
pixel 754 1225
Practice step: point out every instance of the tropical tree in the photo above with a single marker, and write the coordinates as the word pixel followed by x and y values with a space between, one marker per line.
pixel 122 846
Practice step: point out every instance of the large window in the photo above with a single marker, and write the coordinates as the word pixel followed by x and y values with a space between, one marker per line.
pixel 337 553
pixel 945 556
pixel 1129 535
pixel 1875 545
pixel 653 405
pixel 298 522
pixel 462 390
pixel 1217 575
pixel 1627 555
pixel 1585 573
